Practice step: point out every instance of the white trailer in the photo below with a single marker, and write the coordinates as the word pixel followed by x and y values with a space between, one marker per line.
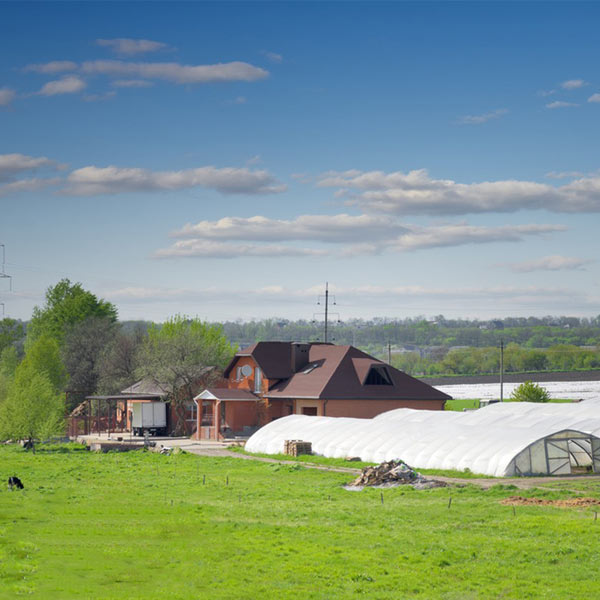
pixel 149 417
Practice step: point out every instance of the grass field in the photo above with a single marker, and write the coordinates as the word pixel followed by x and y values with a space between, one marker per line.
pixel 144 525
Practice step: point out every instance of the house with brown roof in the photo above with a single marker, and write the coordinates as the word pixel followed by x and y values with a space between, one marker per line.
pixel 269 380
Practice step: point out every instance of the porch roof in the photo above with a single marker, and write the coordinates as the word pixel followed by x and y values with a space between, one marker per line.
pixel 226 394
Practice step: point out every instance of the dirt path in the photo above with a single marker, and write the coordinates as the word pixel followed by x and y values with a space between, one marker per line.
pixel 523 483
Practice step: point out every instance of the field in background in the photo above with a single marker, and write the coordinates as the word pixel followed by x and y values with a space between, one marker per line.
pixel 144 525
pixel 569 390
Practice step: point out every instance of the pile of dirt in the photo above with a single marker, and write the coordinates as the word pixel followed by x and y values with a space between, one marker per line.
pixel 391 473
pixel 568 503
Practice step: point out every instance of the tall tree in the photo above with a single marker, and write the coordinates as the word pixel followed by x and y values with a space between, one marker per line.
pixel 43 357
pixel 34 406
pixel 8 365
pixel 32 409
pixel 177 353
pixel 118 363
pixel 11 333
pixel 82 350
pixel 67 304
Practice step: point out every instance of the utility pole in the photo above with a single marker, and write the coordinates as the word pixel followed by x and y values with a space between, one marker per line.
pixel 326 307
pixel 389 352
pixel 501 370
pixel 3 275
pixel 326 300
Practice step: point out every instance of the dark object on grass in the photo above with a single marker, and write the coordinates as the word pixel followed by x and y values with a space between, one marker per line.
pixel 15 482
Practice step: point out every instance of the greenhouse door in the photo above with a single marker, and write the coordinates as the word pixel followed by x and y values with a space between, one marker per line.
pixel 558 458
pixel 576 453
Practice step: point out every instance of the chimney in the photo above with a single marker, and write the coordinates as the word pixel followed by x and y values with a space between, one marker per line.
pixel 299 356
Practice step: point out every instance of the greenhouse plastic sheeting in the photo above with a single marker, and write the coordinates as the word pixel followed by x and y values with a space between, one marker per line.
pixel 493 440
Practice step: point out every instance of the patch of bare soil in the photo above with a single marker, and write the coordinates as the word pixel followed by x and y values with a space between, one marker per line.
pixel 568 503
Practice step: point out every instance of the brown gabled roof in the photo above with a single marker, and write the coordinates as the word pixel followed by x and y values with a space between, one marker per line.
pixel 148 385
pixel 274 359
pixel 151 387
pixel 231 394
pixel 339 372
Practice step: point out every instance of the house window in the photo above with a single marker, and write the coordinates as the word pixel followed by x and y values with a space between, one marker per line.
pixel 378 376
pixel 257 379
pixel 192 412
pixel 238 374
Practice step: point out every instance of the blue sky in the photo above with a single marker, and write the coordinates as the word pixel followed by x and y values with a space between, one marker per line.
pixel 225 160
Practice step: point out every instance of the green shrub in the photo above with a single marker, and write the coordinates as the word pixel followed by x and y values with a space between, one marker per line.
pixel 530 392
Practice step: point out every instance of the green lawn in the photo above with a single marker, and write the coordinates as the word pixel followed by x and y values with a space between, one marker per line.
pixel 143 525
pixel 459 404
pixel 471 403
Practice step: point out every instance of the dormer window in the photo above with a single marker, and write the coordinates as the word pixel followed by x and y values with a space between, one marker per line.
pixel 378 376
pixel 257 380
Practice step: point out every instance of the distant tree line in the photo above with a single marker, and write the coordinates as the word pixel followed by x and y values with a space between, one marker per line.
pixel 374 334
pixel 482 361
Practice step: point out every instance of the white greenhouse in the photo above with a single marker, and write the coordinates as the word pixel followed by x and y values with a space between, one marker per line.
pixel 500 440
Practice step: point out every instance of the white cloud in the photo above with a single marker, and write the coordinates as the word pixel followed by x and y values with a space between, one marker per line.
pixel 7 95
pixel 91 181
pixel 560 104
pixel 273 56
pixel 99 97
pixel 27 185
pixel 322 228
pixel 479 119
pixel 376 235
pixel 12 164
pixel 69 84
pixel 573 84
pixel 417 193
pixel 594 98
pixel 132 83
pixel 550 263
pixel 564 174
pixel 460 235
pixel 361 293
pixel 130 46
pixel 176 73
pixel 55 66
pixel 209 249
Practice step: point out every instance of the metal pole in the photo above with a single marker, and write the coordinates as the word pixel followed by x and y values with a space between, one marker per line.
pixel 501 370
pixel 326 307
pixel 389 353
